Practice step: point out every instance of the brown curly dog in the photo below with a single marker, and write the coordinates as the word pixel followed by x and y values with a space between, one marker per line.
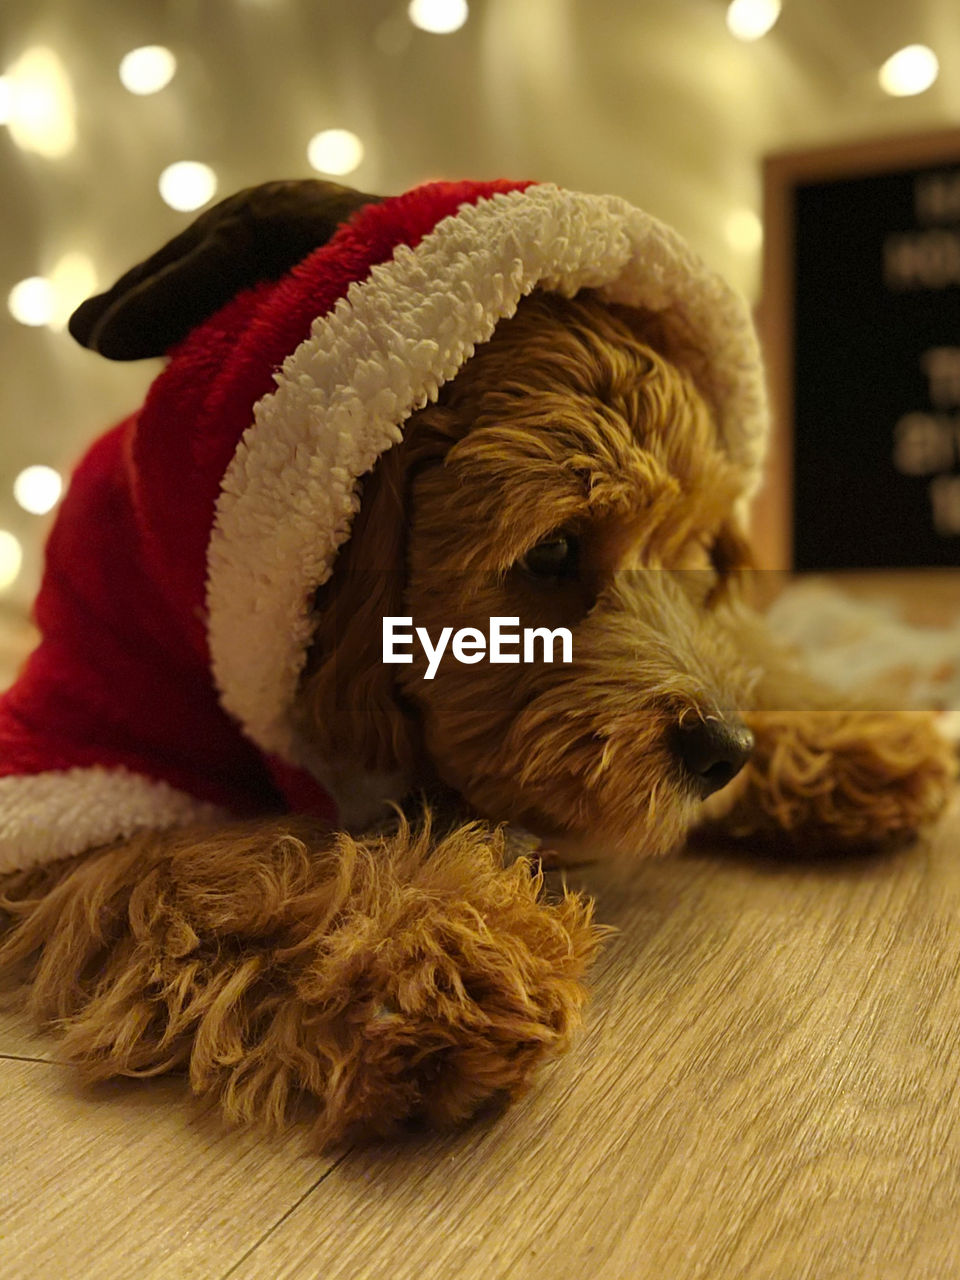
pixel 570 475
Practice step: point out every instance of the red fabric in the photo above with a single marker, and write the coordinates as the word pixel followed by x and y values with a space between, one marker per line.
pixel 122 674
pixel 115 680
pixel 200 406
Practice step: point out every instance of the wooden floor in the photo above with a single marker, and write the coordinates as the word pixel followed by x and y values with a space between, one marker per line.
pixel 768 1088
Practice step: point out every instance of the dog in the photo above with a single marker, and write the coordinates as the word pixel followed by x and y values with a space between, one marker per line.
pixel 410 965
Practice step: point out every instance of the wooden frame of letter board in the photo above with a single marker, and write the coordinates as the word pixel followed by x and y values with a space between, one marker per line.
pixel 782 173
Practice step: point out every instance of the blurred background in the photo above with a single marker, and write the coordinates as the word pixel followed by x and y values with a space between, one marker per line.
pixel 120 118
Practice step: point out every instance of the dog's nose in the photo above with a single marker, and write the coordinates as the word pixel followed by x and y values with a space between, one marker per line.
pixel 713 751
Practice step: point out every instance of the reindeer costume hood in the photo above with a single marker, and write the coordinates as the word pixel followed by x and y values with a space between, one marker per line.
pixel 304 324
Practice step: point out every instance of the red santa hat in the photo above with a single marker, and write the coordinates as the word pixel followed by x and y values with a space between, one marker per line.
pixel 177 606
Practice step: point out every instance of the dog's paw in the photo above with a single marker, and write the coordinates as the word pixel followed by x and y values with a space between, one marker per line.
pixel 361 984
pixel 462 980
pixel 432 983
pixel 832 779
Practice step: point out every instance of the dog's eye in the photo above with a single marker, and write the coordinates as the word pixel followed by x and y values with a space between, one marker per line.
pixel 556 557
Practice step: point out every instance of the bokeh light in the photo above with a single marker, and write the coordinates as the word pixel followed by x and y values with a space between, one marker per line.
pixel 11 559
pixel 147 69
pixel 40 105
pixel 187 185
pixel 909 71
pixel 751 19
pixel 37 489
pixel 33 301
pixel 335 151
pixel 438 16
pixel 74 278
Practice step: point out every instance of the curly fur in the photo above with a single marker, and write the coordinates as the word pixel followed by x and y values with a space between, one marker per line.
pixel 386 979
pixel 832 780
pixel 413 974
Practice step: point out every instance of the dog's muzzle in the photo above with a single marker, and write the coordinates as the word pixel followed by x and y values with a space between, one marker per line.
pixel 712 751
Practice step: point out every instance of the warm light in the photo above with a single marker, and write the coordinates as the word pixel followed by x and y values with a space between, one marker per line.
pixel 11 558
pixel 38 489
pixel 743 230
pixel 51 299
pixel 438 16
pixel 911 70
pixel 751 19
pixel 6 99
pixel 336 151
pixel 40 106
pixel 148 69
pixel 33 301
pixel 74 279
pixel 187 185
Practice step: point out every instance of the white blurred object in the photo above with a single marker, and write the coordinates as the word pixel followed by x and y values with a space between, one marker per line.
pixel 37 489
pixel 751 19
pixel 187 185
pixel 40 108
pixel 50 300
pixel 11 558
pixel 147 69
pixel 909 71
pixel 438 16
pixel 33 301
pixel 335 151
pixel 73 279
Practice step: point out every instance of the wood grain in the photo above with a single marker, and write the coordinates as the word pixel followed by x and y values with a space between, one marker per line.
pixel 768 1088
pixel 20 1039
pixel 124 1181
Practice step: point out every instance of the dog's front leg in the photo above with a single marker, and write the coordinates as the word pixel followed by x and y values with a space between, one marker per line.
pixel 383 980
pixel 826 772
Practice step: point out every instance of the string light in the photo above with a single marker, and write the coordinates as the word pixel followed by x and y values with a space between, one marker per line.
pixel 751 19
pixel 32 301
pixel 909 71
pixel 187 185
pixel 147 69
pixel 438 16
pixel 335 151
pixel 73 278
pixel 50 300
pixel 37 489
pixel 11 558
pixel 39 104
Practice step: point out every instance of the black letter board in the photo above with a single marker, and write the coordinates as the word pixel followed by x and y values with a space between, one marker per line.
pixel 861 321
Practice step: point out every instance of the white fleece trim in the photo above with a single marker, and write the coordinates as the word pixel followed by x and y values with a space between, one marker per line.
pixel 291 490
pixel 46 816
